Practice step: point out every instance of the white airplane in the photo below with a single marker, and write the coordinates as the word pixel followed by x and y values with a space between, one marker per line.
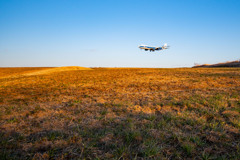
pixel 148 48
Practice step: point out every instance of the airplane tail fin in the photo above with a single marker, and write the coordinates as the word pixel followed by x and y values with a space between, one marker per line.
pixel 165 46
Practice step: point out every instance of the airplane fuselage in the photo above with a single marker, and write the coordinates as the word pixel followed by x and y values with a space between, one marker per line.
pixel 148 48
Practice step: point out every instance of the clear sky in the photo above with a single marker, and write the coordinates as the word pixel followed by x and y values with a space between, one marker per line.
pixel 106 33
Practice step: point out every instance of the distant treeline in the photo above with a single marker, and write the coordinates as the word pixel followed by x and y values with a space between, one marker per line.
pixel 225 64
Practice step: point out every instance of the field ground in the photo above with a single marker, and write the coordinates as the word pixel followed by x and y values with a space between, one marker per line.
pixel 190 113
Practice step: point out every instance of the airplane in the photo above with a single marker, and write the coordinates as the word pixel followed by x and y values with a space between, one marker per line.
pixel 148 48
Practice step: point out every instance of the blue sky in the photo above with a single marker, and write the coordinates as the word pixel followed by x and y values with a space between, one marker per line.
pixel 106 33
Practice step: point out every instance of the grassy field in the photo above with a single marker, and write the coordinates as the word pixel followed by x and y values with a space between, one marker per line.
pixel 120 114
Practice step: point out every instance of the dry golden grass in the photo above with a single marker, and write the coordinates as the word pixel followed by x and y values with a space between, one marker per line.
pixel 29 71
pixel 120 113
pixel 58 69
pixel 8 72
